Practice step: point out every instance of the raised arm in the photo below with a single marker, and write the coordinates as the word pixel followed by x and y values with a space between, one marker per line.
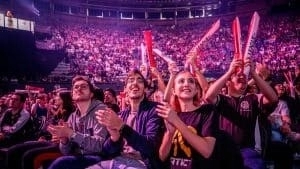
pixel 204 145
pixel 160 81
pixel 215 88
pixel 289 80
pixel 269 94
pixel 168 91
pixel 199 76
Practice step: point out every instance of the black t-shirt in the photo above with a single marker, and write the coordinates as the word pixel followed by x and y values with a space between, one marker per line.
pixel 238 117
pixel 203 122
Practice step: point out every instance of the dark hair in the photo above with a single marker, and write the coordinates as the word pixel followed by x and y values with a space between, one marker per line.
pixel 134 72
pixel 276 81
pixel 98 94
pixel 22 96
pixel 42 96
pixel 67 101
pixel 84 78
pixel 111 91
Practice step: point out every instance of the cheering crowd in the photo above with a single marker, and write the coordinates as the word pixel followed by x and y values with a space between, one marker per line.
pixel 236 121
pixel 106 53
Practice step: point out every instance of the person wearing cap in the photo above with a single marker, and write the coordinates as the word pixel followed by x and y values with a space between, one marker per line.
pixel 238 111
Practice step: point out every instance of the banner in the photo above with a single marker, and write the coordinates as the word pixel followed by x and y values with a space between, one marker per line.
pixel 2 19
pixel 32 26
pixel 11 22
pixel 24 24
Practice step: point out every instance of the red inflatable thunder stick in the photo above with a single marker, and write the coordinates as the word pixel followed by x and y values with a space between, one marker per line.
pixel 237 42
pixel 148 41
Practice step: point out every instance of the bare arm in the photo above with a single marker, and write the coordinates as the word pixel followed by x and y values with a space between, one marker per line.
pixel 166 145
pixel 262 70
pixel 203 145
pixel 289 80
pixel 160 81
pixel 168 89
pixel 202 81
pixel 215 88
pixel 265 88
pixel 199 76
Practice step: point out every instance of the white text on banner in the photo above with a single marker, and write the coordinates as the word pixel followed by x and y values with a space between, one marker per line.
pixel 1 19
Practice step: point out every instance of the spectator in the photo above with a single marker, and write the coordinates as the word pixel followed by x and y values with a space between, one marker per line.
pixel 16 124
pixel 82 135
pixel 238 112
pixel 135 135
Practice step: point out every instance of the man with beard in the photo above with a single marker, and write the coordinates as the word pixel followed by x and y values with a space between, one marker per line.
pixel 82 135
pixel 136 134
pixel 238 111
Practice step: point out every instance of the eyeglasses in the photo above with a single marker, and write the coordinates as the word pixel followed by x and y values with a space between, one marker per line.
pixel 81 86
pixel 138 79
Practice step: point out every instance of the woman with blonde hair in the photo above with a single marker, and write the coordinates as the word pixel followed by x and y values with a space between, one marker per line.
pixel 189 139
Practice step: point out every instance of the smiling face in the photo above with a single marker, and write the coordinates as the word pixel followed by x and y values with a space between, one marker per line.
pixel 185 87
pixel 135 86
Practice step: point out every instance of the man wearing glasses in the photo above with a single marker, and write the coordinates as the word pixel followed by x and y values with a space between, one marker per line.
pixel 82 135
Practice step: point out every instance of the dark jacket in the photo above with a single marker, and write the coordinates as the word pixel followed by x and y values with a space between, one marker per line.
pixel 147 137
pixel 16 128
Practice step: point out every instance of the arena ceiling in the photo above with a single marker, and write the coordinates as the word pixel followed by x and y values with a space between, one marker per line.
pixel 148 3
